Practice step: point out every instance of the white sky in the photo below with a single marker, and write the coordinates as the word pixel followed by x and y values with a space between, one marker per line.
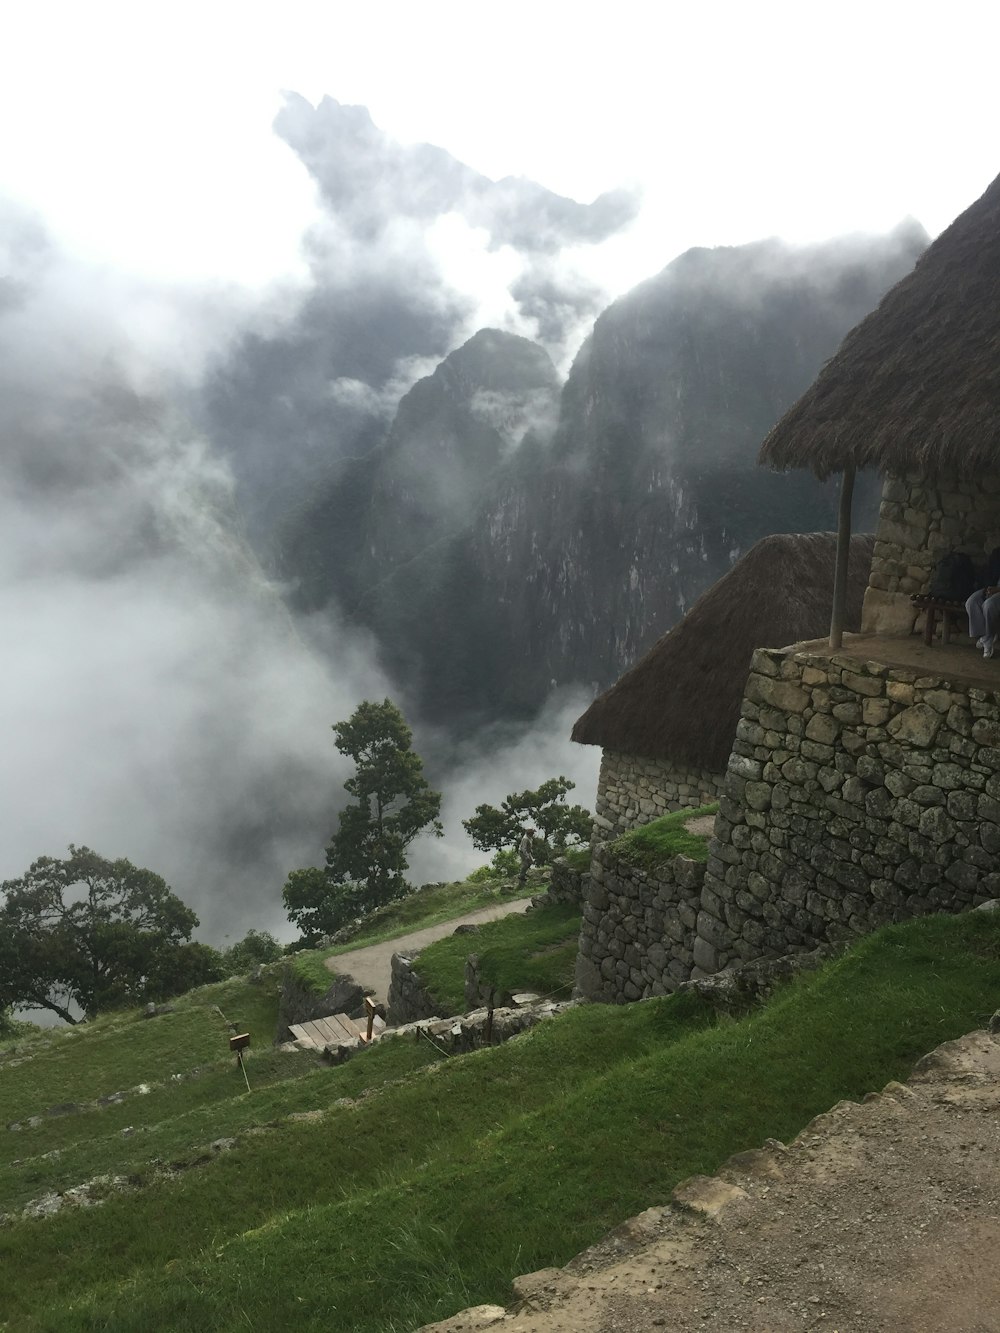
pixel 142 135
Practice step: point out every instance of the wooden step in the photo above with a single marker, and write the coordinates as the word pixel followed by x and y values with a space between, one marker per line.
pixel 335 1030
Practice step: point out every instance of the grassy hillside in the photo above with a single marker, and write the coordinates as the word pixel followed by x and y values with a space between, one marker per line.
pixel 427 1183
pixel 532 952
pixel 431 904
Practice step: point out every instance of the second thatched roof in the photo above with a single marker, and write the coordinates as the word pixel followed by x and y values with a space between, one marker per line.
pixel 916 385
pixel 681 702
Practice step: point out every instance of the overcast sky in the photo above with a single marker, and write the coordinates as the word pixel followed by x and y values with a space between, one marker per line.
pixel 142 132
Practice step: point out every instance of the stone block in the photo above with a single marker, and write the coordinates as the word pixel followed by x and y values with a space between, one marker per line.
pixel 963 876
pixel 961 805
pixel 928 794
pixel 784 695
pixel 917 725
pixel 757 796
pixel 822 728
pixel 899 692
pixel 876 712
pixel 878 804
pixel 711 929
pixel 986 731
pixel 936 825
pixel 870 686
pixel 706 957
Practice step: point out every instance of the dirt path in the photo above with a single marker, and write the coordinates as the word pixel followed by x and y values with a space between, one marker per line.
pixel 370 965
pixel 881 1217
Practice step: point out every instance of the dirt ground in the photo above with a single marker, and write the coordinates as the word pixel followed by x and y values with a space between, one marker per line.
pixel 958 660
pixel 881 1216
pixel 370 966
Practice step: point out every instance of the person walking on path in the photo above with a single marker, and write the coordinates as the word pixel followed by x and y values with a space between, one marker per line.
pixel 524 853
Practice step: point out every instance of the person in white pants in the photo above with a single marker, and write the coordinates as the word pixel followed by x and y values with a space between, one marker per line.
pixel 984 619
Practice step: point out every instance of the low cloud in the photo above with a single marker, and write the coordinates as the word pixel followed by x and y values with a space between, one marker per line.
pixel 502 759
pixel 160 701
pixel 367 180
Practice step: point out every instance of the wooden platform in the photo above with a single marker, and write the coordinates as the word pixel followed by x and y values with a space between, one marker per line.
pixel 335 1030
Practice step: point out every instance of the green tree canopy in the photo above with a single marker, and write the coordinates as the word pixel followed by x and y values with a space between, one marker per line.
pixel 556 824
pixel 393 802
pixel 256 947
pixel 96 933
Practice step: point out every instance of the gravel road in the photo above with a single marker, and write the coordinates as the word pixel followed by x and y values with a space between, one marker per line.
pixel 370 965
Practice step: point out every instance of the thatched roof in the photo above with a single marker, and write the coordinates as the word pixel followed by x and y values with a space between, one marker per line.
pixel 681 702
pixel 916 385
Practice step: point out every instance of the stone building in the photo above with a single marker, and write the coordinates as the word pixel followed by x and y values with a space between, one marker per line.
pixel 666 727
pixel 864 783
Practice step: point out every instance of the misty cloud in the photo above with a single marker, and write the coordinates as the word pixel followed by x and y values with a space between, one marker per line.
pixel 158 701
pixel 367 179
pixel 505 758
pixel 414 253
pixel 558 301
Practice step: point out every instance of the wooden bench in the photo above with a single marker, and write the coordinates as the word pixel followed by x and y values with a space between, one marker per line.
pixel 935 608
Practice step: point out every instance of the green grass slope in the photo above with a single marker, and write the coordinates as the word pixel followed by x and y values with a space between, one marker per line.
pixel 428 906
pixel 535 952
pixel 440 1179
pixel 661 839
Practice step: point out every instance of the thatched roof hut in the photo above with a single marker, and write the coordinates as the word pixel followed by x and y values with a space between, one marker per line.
pixel 916 385
pixel 682 700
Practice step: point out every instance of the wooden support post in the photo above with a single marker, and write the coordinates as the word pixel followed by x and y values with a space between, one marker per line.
pixel 370 1006
pixel 843 558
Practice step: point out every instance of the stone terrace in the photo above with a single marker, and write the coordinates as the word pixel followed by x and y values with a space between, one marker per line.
pixel 861 789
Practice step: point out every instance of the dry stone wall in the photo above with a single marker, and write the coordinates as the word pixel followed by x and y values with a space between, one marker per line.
pixel 638 935
pixel 633 790
pixel 566 885
pixel 409 999
pixel 918 523
pixel 857 794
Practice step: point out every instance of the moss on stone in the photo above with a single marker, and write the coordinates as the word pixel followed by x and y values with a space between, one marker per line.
pixel 664 838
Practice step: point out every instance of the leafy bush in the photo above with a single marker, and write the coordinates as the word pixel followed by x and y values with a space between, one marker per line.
pixel 256 947
pixel 504 865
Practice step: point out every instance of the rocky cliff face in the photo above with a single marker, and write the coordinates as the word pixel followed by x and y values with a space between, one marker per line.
pixel 495 560
pixel 453 431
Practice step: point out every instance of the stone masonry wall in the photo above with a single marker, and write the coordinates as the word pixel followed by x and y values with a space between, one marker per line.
pixel 409 999
pixel 632 790
pixel 637 937
pixel 857 794
pixel 918 523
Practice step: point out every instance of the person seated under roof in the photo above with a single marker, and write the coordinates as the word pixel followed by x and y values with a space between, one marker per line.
pixel 983 608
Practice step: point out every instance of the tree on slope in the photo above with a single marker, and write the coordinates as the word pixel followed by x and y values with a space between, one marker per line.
pixel 366 859
pixel 95 933
pixel 556 824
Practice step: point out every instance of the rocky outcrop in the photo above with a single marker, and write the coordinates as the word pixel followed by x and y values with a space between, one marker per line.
pixel 577 548
pixel 409 998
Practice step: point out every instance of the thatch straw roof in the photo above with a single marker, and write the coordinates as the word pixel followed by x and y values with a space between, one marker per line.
pixel 681 702
pixel 916 385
